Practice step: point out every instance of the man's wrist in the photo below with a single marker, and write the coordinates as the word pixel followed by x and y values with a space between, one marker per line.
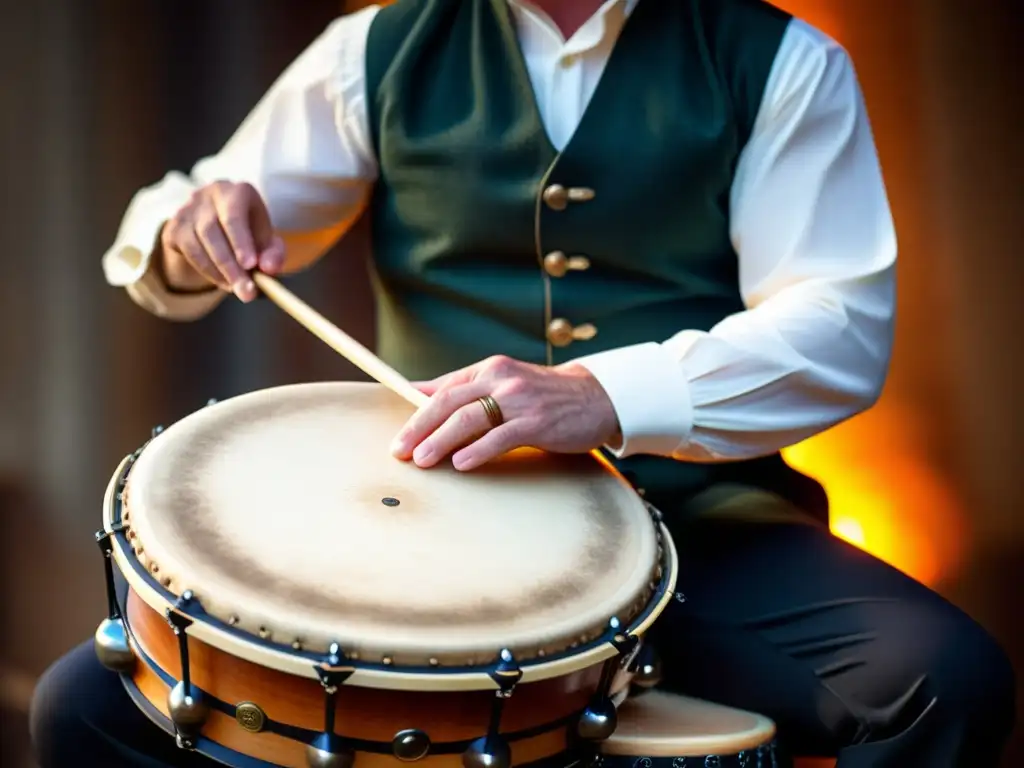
pixel 600 405
pixel 650 396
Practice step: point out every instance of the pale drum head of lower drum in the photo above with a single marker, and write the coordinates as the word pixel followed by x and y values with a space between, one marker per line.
pixel 285 514
pixel 664 730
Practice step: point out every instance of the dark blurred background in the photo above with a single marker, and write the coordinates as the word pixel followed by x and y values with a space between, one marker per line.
pixel 104 96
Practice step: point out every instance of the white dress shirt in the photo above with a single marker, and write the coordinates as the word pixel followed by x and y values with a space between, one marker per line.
pixel 810 222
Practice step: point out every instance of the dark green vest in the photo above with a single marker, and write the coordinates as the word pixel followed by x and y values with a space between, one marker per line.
pixel 487 240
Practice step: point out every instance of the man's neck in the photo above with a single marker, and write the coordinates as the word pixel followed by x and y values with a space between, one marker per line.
pixel 568 15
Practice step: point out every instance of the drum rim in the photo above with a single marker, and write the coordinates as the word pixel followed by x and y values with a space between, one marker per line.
pixel 270 654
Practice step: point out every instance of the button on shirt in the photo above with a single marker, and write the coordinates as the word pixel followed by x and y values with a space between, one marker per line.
pixel 810 223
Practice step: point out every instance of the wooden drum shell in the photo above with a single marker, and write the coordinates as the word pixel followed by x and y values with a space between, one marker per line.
pixel 369 714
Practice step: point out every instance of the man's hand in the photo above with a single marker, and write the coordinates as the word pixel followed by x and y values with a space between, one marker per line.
pixel 218 237
pixel 562 409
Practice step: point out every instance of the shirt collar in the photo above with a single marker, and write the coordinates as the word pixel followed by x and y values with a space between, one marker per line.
pixel 606 23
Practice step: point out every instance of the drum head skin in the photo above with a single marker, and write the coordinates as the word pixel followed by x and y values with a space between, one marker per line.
pixel 663 724
pixel 286 515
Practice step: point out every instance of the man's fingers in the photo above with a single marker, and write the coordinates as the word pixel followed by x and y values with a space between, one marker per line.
pixel 220 252
pixel 431 387
pixel 490 446
pixel 448 380
pixel 271 260
pixel 186 242
pixel 258 218
pixel 432 415
pixel 233 214
pixel 461 428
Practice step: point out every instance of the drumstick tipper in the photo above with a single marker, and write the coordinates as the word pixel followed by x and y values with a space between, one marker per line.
pixel 338 340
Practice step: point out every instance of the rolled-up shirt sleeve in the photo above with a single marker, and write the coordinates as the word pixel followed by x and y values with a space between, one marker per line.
pixel 306 149
pixel 813 231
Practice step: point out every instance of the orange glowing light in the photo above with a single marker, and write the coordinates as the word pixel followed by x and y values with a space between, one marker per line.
pixel 849 529
pixel 884 496
pixel 824 16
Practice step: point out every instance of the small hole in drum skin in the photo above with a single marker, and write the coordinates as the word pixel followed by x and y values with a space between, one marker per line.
pixel 390 501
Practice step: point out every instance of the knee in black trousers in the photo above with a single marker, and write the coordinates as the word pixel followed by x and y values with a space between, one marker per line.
pixel 939 691
pixel 850 657
pixel 952 689
pixel 82 717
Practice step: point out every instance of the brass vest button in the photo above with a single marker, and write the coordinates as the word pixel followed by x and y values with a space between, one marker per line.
pixel 561 332
pixel 557 197
pixel 557 263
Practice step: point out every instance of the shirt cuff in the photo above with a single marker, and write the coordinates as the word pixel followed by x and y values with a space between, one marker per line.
pixel 651 397
pixel 127 265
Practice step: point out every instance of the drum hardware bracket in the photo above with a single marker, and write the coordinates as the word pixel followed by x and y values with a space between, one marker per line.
pixel 506 674
pixel 627 645
pixel 103 540
pixel 185 702
pixel 334 670
pixel 111 638
pixel 329 750
pixel 598 721
pixel 493 751
pixel 178 618
pixel 122 481
pixel 647 671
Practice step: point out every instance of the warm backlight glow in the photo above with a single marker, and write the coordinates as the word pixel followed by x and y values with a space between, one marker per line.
pixel 823 15
pixel 884 496
pixel 849 529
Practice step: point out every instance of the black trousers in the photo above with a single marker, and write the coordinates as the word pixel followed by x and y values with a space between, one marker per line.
pixel 850 657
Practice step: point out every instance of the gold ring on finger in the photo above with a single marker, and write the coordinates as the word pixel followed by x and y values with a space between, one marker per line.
pixel 493 411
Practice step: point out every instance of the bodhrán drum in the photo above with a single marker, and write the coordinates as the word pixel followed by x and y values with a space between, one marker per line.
pixel 297 596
